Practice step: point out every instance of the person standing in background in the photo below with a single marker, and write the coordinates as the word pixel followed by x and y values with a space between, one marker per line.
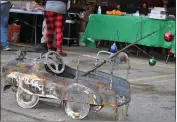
pixel 144 9
pixel 54 14
pixel 5 7
pixel 164 3
pixel 43 45
pixel 170 6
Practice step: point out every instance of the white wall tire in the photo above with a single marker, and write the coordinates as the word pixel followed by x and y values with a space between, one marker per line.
pixel 25 100
pixel 77 110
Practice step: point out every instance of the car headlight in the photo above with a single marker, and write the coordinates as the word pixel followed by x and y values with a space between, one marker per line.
pixel 121 99
pixel 37 82
pixel 121 58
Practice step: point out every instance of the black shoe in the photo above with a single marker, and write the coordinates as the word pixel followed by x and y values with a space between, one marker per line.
pixel 41 47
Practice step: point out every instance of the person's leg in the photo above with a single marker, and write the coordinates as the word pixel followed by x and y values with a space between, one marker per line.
pixel 59 28
pixel 43 39
pixel 50 19
pixel 4 26
pixel 43 45
pixel 4 38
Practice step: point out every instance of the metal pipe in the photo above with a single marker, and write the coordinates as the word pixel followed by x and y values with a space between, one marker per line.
pixel 111 81
pixel 112 56
pixel 136 42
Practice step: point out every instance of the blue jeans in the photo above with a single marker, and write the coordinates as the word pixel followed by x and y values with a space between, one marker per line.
pixel 4 37
pixel 4 24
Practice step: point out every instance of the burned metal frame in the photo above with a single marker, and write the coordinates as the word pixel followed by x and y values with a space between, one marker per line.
pixel 99 90
pixel 109 60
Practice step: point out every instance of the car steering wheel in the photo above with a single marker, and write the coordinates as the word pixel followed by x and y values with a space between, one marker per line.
pixel 54 58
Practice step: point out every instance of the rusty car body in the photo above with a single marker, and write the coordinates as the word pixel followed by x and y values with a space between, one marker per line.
pixel 48 76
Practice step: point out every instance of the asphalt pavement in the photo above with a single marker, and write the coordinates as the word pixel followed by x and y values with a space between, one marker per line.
pixel 153 91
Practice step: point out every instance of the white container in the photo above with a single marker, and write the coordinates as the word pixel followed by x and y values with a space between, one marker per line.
pixel 159 8
pixel 157 16
pixel 99 10
pixel 155 11
pixel 28 5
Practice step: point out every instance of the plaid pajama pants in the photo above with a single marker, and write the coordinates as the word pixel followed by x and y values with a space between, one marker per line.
pixel 54 23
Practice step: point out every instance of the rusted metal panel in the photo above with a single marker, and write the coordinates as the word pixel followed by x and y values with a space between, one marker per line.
pixel 34 78
pixel 52 87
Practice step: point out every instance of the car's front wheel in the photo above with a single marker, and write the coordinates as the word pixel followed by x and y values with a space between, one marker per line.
pixel 26 100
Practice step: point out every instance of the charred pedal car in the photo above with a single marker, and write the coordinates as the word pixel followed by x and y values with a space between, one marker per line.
pixel 80 92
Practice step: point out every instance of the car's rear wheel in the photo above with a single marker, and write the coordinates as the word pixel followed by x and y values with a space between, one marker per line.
pixel 77 110
pixel 26 100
